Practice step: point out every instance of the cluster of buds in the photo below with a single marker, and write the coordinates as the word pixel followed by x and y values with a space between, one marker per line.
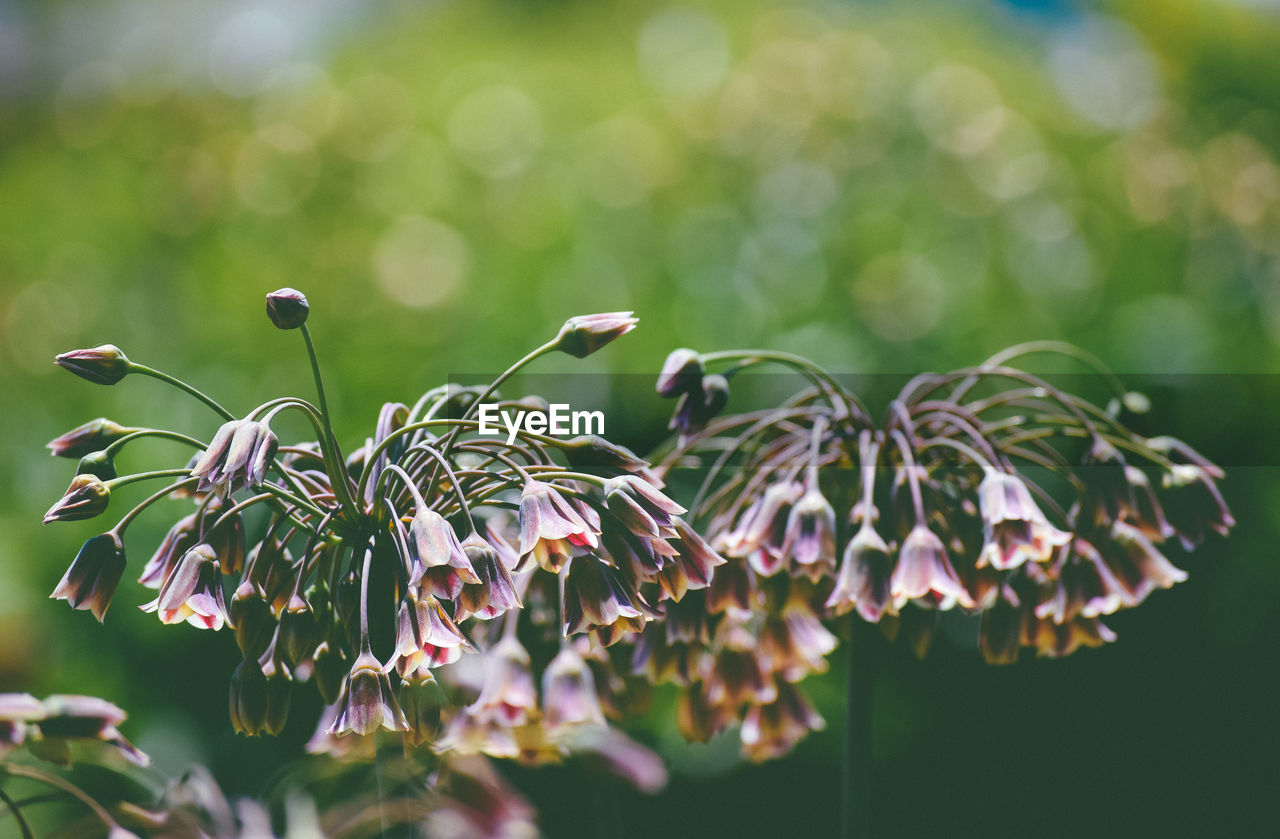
pixel 377 574
pixel 985 490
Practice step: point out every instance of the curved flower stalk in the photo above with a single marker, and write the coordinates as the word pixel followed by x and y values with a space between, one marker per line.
pixel 377 574
pixel 986 491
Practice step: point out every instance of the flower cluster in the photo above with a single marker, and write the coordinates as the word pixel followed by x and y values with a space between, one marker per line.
pixel 985 490
pixel 375 574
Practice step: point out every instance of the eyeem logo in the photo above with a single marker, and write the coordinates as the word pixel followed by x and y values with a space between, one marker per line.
pixel 557 421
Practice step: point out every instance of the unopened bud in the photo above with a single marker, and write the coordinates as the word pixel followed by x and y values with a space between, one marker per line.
pixel 93 436
pixel 287 308
pixel 98 464
pixel 104 365
pixel 87 497
pixel 581 336
pixel 681 373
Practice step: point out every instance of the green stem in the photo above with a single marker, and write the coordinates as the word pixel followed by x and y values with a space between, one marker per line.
pixel 153 432
pixel 65 786
pixel 181 385
pixel 23 825
pixel 330 442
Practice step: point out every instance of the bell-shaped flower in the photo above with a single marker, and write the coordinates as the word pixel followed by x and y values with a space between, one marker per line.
pixel 1137 564
pixel 569 695
pixel 772 730
pixel 181 538
pixel 595 596
pixel 426 636
pixel 810 540
pixel 367 702
pixel 736 675
pixel 547 522
pixel 442 566
pixel 237 457
pixel 923 571
pixel 1015 529
pixel 494 592
pixel 689 569
pixel 94 574
pixel 762 527
pixel 192 592
pixel 864 579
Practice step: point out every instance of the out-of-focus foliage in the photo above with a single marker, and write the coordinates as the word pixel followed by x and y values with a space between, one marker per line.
pixel 882 187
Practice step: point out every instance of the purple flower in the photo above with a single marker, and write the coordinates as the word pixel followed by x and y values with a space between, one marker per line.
pixel 192 592
pixel 1015 529
pixel 238 457
pixel 367 702
pixel 427 637
pixel 864 579
pixel 442 565
pixel 547 522
pixel 94 574
pixel 569 695
pixel 923 570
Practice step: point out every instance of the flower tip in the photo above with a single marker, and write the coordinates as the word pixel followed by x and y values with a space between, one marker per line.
pixel 287 308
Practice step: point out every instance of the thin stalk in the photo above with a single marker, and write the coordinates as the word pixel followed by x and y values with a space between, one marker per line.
pixel 12 806
pixel 330 443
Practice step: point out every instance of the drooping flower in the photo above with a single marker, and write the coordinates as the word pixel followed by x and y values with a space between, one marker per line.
pixel 367 702
pixel 569 695
pixel 94 574
pixel 494 593
pixel 682 372
pixel 192 592
pixel 864 579
pixel 1015 529
pixel 810 540
pixel 550 525
pixel 426 637
pixel 923 570
pixel 773 729
pixel 237 457
pixel 442 567
pixel 643 509
pixel 689 568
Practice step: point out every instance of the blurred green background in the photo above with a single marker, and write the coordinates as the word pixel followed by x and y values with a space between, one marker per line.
pixel 884 187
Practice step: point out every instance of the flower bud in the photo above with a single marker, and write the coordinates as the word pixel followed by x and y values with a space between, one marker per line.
pixel 699 406
pixel 287 308
pixel 299 630
pixel 93 576
pixel 104 365
pixel 422 699
pixel 87 497
pixel 682 372
pixel 248 703
pixel 581 336
pixel 93 436
pixel 589 451
pixel 251 618
pixel 98 464
pixel 331 668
